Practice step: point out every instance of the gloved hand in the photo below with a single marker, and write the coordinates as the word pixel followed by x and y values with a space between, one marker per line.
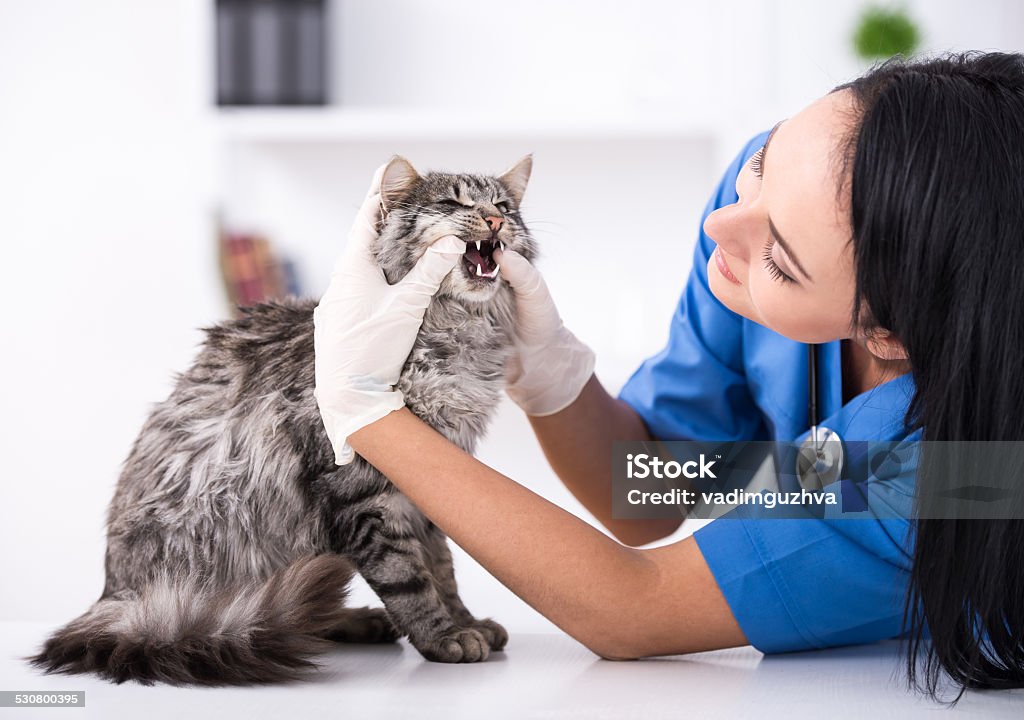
pixel 364 328
pixel 550 366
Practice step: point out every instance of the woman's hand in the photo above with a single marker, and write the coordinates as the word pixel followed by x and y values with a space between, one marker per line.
pixel 550 366
pixel 364 328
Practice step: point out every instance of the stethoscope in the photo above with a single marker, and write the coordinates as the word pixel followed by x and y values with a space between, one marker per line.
pixel 819 462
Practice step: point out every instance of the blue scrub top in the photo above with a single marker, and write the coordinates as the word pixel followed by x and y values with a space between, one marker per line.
pixel 792 584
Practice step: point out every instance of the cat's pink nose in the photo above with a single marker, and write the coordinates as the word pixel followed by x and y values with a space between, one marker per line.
pixel 494 222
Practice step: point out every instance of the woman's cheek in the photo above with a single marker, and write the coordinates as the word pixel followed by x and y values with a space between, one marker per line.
pixel 772 306
pixel 792 312
pixel 779 306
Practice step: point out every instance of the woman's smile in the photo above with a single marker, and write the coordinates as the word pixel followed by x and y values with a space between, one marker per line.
pixel 723 266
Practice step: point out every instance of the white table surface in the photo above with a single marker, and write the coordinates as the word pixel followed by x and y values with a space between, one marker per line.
pixel 538 676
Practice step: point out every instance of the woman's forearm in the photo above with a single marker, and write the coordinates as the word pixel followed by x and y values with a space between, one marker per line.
pixel 577 442
pixel 567 570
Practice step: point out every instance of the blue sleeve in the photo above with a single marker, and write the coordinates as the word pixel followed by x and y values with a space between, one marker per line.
pixel 801 584
pixel 696 388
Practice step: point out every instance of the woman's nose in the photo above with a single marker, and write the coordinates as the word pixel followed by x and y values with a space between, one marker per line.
pixel 731 227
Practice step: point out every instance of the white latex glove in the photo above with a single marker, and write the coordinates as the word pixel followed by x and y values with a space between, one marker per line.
pixel 364 328
pixel 550 366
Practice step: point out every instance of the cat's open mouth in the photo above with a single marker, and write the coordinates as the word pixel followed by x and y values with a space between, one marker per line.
pixel 479 259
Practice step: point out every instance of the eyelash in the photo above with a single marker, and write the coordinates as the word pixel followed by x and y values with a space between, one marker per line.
pixel 772 266
pixel 755 162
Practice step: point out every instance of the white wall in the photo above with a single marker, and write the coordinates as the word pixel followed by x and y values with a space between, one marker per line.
pixel 108 267
pixel 109 164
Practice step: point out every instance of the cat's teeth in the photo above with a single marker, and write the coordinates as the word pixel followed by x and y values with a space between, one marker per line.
pixel 502 245
pixel 478 247
pixel 496 269
pixel 479 270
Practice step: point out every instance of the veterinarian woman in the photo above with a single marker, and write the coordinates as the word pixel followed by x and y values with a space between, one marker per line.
pixel 885 221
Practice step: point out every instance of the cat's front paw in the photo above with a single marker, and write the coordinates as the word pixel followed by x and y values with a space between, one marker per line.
pixel 496 635
pixel 459 645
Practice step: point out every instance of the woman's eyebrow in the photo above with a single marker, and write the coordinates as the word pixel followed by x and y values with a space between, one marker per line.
pixel 767 142
pixel 771 226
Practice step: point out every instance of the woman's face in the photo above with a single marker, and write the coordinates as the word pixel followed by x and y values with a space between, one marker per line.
pixel 786 240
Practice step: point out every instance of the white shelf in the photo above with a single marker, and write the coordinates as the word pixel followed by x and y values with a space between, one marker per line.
pixel 334 125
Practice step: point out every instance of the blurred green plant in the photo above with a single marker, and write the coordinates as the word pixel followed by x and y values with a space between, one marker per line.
pixel 884 32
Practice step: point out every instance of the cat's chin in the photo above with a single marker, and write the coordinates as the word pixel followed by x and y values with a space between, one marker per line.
pixel 474 295
pixel 468 289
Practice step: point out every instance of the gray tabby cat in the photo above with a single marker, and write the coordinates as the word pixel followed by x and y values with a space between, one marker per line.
pixel 232 535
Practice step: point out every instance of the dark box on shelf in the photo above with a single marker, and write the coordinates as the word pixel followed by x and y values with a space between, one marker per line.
pixel 271 52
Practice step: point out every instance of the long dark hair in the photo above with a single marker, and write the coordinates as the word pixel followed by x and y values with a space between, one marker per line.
pixel 937 198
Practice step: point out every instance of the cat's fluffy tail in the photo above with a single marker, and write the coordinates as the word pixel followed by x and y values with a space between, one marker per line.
pixel 183 633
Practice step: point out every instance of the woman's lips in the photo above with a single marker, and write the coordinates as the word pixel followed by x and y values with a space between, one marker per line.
pixel 723 266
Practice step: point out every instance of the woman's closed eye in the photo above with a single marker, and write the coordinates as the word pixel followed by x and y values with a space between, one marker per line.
pixel 777 273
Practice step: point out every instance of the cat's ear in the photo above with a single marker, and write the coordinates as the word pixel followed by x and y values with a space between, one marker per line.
pixel 516 177
pixel 398 178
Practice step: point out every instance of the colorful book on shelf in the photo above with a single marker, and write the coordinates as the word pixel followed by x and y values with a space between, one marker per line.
pixel 251 271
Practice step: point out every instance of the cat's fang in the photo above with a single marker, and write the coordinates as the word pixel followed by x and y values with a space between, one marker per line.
pixel 479 272
pixel 478 246
pixel 502 245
